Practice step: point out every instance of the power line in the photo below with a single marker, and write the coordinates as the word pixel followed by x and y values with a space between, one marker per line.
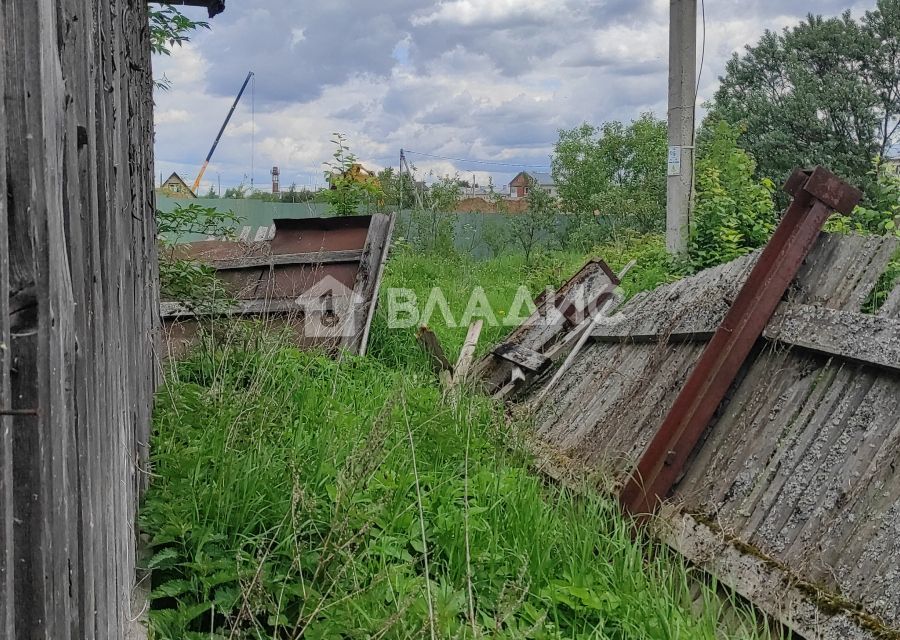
pixel 495 163
pixel 693 187
pixel 702 52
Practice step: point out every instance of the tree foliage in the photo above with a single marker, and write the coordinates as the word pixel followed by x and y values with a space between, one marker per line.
pixel 734 212
pixel 169 28
pixel 616 170
pixel 529 229
pixel 826 91
pixel 348 192
pixel 431 225
pixel 397 188
pixel 880 213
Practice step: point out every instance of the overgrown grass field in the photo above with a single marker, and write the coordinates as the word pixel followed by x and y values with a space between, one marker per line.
pixel 298 496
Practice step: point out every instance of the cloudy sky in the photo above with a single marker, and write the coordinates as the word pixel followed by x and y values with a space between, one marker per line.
pixel 488 80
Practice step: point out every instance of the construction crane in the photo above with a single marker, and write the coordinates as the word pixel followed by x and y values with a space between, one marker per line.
pixel 221 131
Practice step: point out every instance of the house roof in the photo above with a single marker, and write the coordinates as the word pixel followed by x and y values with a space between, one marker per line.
pixel 543 179
pixel 177 177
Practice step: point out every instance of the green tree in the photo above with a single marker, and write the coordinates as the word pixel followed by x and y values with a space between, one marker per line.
pixel 211 194
pixel 431 225
pixel 616 170
pixel 535 226
pixel 397 187
pixel 169 28
pixel 826 91
pixel 734 212
pixel 349 190
pixel 444 195
pixel 879 214
pixel 236 193
pixel 294 195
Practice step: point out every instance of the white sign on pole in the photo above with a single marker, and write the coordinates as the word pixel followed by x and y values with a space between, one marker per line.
pixel 674 160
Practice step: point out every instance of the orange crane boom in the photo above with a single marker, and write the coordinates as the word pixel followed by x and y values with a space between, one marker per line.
pixel 221 131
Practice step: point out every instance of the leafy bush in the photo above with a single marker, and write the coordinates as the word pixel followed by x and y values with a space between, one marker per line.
pixel 188 281
pixel 615 171
pixel 431 225
pixel 879 213
pixel 528 230
pixel 348 188
pixel 733 213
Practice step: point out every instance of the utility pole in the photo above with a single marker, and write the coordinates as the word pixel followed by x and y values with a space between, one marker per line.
pixel 682 103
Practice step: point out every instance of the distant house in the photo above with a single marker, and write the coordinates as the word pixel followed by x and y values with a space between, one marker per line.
pixel 477 191
pixel 175 187
pixel 523 183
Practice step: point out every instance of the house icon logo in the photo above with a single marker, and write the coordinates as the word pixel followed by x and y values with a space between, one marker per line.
pixel 331 309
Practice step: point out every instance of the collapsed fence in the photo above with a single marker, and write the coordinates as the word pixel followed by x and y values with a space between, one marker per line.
pixel 78 312
pixel 317 278
pixel 792 494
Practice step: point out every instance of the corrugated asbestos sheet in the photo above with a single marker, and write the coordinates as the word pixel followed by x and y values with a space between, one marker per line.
pixel 318 277
pixel 793 496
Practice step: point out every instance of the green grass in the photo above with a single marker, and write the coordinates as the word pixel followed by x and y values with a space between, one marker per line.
pixel 457 276
pixel 296 496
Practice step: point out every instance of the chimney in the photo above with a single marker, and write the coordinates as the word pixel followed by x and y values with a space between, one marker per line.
pixel 276 180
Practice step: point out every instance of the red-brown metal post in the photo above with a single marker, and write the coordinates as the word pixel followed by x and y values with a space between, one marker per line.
pixel 816 196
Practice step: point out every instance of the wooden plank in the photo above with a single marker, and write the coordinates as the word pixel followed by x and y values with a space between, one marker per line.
pixel 432 346
pixel 842 270
pixel 323 257
pixel 368 281
pixel 79 201
pixel 7 566
pixel 464 363
pixel 855 337
pixel 79 267
pixel 891 306
pixel 523 356
pixel 547 326
pixel 34 598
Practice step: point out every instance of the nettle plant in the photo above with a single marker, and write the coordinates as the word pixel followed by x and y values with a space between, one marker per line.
pixel 879 214
pixel 189 281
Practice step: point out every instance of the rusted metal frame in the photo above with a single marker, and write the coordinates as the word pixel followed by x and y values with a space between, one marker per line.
pixel 176 310
pixel 815 197
pixel 292 259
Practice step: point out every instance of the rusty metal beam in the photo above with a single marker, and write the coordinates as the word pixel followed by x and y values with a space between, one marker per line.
pixel 816 196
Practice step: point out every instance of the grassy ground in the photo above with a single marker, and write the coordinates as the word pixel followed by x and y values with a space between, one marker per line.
pixel 295 496
pixel 457 276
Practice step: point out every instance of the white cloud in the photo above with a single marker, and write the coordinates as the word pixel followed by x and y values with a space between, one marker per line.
pixel 171 116
pixel 484 79
pixel 468 12
pixel 298 35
